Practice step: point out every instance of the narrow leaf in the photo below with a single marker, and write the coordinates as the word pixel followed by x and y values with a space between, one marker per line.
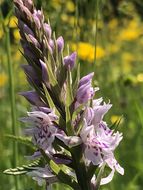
pixel 23 140
pixel 69 126
pixel 75 85
pixel 53 106
pixel 69 94
pixel 23 169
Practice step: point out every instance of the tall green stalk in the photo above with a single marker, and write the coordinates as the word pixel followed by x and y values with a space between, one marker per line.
pixel 96 28
pixel 12 99
pixel 76 25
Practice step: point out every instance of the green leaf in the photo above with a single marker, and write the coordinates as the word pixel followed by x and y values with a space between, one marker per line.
pixel 62 71
pixel 53 106
pixel 23 140
pixel 69 100
pixel 60 173
pixel 79 123
pixel 76 83
pixel 69 127
pixel 36 51
pixel 55 88
pixel 50 101
pixel 52 79
pixel 23 169
pixel 56 50
pixel 69 94
pixel 77 111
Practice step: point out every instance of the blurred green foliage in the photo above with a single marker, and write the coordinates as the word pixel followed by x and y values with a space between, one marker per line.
pixel 117 33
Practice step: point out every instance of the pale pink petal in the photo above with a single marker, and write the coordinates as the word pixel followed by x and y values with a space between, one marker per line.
pixel 108 178
pixel 70 141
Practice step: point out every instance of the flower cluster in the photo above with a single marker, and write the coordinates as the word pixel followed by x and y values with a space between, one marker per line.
pixel 66 122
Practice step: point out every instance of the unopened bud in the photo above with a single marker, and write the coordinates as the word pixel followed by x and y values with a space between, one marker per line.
pixel 86 79
pixel 33 98
pixel 69 61
pixel 33 41
pixel 47 30
pixel 84 93
pixel 60 43
pixel 44 72
pixel 24 28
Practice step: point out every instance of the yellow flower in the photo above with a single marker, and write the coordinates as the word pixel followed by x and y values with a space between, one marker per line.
pixel 116 118
pixel 131 32
pixel 86 51
pixel 99 52
pixel 140 77
pixel 3 79
pixel 12 22
pixel 70 6
pixel 16 34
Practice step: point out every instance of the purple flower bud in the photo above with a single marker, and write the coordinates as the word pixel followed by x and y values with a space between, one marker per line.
pixel 47 30
pixel 26 12
pixel 28 4
pixel 24 28
pixel 60 43
pixel 31 75
pixel 44 72
pixel 84 93
pixel 86 79
pixel 37 21
pixel 34 41
pixel 18 2
pixel 39 14
pixel 69 61
pixel 51 46
pixel 28 53
pixel 38 18
pixel 27 30
pixel 22 11
pixel 33 98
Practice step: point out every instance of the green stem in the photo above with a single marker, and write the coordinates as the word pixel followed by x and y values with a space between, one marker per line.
pixel 80 168
pixel 96 28
pixel 76 25
pixel 12 99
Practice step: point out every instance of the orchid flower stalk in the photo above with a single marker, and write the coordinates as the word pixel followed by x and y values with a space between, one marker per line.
pixel 66 124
